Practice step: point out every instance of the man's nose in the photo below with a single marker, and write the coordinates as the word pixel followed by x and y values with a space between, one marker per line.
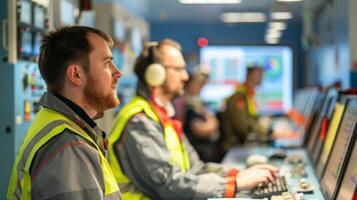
pixel 116 72
pixel 185 75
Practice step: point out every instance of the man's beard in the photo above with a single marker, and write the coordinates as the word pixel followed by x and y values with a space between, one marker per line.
pixel 173 94
pixel 97 99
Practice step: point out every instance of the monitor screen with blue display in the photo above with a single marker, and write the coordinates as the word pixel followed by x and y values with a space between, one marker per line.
pixel 26 44
pixel 119 30
pixel 67 10
pixel 37 44
pixel 25 12
pixel 228 65
pixel 39 18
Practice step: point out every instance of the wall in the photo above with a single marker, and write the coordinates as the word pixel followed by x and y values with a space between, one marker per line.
pixel 329 57
pixel 353 41
pixel 242 34
pixel 7 107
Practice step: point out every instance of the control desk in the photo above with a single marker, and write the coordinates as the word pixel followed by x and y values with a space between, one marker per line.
pixel 295 166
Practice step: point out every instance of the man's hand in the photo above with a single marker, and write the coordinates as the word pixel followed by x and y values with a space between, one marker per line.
pixel 251 177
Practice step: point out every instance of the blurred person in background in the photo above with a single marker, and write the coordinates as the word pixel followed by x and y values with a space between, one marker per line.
pixel 240 119
pixel 200 126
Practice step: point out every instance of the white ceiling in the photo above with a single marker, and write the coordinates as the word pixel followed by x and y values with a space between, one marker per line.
pixel 171 11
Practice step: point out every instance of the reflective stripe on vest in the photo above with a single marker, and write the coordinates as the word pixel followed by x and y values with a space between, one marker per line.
pixel 178 154
pixel 48 124
pixel 250 99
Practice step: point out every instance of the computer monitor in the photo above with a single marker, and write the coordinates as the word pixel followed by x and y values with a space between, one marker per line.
pixel 348 188
pixel 333 97
pixel 331 134
pixel 228 65
pixel 305 102
pixel 136 40
pixel 314 131
pixel 319 129
pixel 336 163
pixel 37 43
pixel 314 100
pixel 25 12
pixel 67 12
pixel 39 17
pixel 312 104
pixel 299 100
pixel 26 44
pixel 119 29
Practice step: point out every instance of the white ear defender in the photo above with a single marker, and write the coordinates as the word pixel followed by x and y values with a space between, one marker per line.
pixel 155 73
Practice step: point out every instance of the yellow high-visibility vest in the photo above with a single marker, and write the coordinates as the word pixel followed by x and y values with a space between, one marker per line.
pixel 55 123
pixel 178 153
pixel 250 99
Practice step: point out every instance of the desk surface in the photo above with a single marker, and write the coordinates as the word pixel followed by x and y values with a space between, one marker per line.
pixel 238 156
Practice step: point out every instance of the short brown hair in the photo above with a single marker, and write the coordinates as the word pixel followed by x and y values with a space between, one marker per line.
pixel 62 47
pixel 252 68
pixel 150 54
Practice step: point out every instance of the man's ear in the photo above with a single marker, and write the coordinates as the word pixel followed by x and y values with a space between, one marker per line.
pixel 75 75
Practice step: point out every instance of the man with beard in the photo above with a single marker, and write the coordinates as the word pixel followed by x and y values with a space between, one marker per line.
pixel 63 153
pixel 148 153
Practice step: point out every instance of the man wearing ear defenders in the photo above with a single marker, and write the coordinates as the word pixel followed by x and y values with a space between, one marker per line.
pixel 150 156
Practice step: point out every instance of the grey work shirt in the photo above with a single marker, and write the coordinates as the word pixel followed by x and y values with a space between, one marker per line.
pixel 68 167
pixel 144 158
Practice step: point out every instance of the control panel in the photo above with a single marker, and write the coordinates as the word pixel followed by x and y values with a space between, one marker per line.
pixel 24 23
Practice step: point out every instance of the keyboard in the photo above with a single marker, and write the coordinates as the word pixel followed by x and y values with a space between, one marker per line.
pixel 270 189
pixel 283 196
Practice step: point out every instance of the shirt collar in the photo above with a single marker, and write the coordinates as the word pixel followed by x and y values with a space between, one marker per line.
pixel 143 91
pixel 77 109
pixel 169 108
pixel 74 112
pixel 250 90
pixel 51 101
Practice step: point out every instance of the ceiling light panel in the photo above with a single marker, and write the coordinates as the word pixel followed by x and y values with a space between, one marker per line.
pixel 273 35
pixel 272 40
pixel 243 17
pixel 209 1
pixel 277 25
pixel 273 32
pixel 281 15
pixel 289 0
